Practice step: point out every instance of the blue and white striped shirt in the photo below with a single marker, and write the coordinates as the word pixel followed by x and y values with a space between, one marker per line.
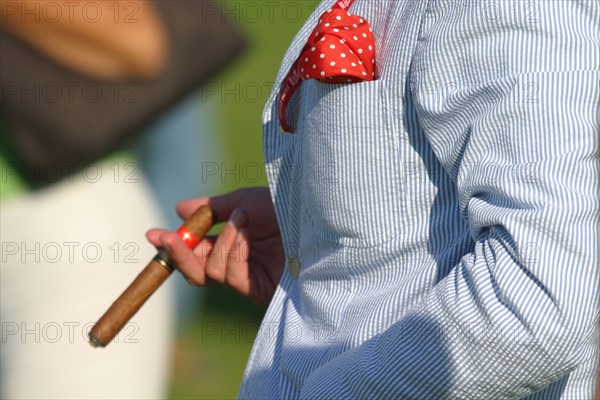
pixel 441 223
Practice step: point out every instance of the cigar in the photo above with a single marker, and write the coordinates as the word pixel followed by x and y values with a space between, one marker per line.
pixel 148 281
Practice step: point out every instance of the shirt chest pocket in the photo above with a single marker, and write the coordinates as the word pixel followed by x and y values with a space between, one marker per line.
pixel 351 174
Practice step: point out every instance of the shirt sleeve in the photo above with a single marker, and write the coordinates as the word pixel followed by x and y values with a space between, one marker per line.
pixel 507 94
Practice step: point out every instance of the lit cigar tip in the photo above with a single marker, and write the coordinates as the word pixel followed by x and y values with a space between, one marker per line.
pixel 94 342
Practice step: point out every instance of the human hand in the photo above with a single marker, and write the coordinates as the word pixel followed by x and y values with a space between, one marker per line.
pixel 248 253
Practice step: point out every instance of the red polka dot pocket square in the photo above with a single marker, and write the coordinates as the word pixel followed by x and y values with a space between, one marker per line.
pixel 341 49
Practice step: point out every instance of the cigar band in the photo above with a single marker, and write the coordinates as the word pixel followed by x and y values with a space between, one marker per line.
pixel 188 237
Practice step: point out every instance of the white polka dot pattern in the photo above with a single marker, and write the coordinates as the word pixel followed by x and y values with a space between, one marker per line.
pixel 342 50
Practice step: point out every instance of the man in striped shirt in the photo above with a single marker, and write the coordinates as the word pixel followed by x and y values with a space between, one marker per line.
pixel 432 233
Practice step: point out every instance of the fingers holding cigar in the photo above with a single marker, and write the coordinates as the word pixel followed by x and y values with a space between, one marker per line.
pixel 216 259
pixel 222 206
pixel 226 251
pixel 223 259
pixel 247 255
pixel 189 262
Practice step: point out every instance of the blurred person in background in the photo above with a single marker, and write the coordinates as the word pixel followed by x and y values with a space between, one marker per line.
pixel 68 247
pixel 50 298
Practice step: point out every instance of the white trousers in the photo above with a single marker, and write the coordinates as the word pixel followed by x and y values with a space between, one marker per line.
pixel 67 254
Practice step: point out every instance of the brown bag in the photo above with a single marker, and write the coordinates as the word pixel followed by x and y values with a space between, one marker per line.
pixel 55 118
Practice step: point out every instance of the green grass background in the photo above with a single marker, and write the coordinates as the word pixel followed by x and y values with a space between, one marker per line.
pixel 213 345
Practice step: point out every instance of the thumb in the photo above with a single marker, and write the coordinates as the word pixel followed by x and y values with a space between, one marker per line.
pixel 222 205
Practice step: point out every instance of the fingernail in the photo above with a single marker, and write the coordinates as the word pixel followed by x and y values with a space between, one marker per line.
pixel 239 237
pixel 237 218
